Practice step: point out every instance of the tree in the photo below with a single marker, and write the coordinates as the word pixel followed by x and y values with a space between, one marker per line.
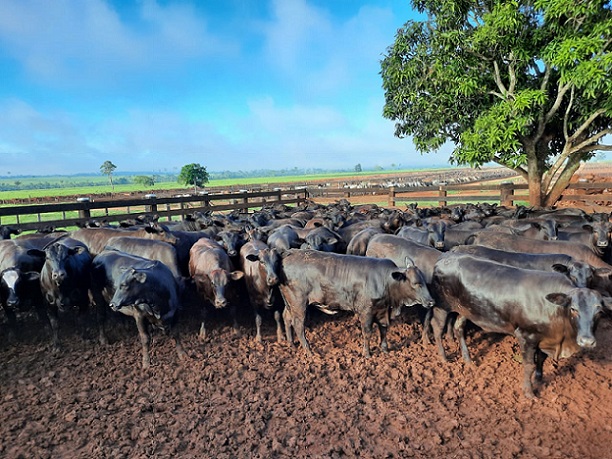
pixel 358 167
pixel 107 168
pixel 193 174
pixel 525 84
pixel 144 180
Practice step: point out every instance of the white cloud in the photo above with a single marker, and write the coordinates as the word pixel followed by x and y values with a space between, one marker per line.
pixel 78 42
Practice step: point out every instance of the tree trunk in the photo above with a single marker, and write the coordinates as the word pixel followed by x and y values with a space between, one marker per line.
pixel 563 180
pixel 535 173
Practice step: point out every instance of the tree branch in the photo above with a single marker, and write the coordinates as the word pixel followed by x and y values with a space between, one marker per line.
pixel 566 116
pixel 512 73
pixel 498 80
pixel 586 124
pixel 560 94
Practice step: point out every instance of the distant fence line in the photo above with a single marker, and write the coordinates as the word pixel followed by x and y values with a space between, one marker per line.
pixel 38 216
pixel 506 193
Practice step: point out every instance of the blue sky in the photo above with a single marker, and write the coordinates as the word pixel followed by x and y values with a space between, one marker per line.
pixel 234 85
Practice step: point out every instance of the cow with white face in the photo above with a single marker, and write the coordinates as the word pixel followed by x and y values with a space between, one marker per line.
pixel 20 268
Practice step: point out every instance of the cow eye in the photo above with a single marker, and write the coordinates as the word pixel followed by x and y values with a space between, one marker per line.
pixel 574 313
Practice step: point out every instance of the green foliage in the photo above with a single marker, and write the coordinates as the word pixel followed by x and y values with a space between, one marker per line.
pixel 193 174
pixel 107 168
pixel 144 180
pixel 358 167
pixel 516 82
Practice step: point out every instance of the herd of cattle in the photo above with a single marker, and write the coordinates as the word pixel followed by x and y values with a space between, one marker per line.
pixel 540 275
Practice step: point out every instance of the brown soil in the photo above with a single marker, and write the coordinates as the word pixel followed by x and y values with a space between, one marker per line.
pixel 234 398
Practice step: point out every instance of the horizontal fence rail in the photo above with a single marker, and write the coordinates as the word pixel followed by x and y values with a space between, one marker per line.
pixel 39 216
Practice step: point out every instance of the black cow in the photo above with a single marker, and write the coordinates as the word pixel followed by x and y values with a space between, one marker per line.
pixel 7 231
pixel 514 243
pixel 580 273
pixel 147 248
pixel 19 279
pixel 213 273
pixel 65 282
pixel 261 265
pixel 143 289
pixel 96 238
pixel 374 289
pixel 431 234
pixel 548 314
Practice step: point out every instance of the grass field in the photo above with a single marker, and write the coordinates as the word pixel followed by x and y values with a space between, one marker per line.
pixel 102 185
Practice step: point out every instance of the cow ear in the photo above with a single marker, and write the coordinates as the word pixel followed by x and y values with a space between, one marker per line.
pixel 398 276
pixel 587 227
pixel 36 253
pixel 607 302
pixel 560 268
pixel 235 275
pixel 560 299
pixel 31 276
pixel 140 276
pixel 144 307
pixel 603 272
pixel 408 262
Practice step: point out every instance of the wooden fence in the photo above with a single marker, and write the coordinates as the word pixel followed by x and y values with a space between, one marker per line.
pixel 507 194
pixel 38 216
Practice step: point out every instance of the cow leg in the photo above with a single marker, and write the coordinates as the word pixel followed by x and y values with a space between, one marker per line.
pixel 145 340
pixel 528 351
pixel 202 333
pixel 366 331
pixel 459 329
pixel 426 338
pixel 101 324
pixel 438 322
pixel 11 319
pixel 279 328
pixel 298 320
pixel 177 343
pixel 54 321
pixel 288 325
pixel 234 314
pixel 382 329
pixel 258 321
pixel 540 357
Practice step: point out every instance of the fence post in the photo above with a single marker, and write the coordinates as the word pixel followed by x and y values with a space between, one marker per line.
pixel 506 194
pixel 245 202
pixel 442 194
pixel 391 199
pixel 83 213
pixel 151 208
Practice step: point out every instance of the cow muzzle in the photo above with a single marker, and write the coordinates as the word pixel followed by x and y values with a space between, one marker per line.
pixel 115 307
pixel 439 245
pixel 588 342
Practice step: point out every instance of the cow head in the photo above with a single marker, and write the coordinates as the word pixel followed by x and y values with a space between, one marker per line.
pixel 583 305
pixel 14 283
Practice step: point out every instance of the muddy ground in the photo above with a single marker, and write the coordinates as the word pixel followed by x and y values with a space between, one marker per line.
pixel 235 398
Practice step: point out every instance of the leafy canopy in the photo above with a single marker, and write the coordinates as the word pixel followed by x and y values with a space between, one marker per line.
pixel 523 83
pixel 193 174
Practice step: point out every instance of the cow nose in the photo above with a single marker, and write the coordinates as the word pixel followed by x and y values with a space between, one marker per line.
pixel 220 303
pixel 114 306
pixel 12 303
pixel 439 245
pixel 586 341
pixel 272 280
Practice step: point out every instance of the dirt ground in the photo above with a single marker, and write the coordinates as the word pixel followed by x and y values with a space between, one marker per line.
pixel 235 398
